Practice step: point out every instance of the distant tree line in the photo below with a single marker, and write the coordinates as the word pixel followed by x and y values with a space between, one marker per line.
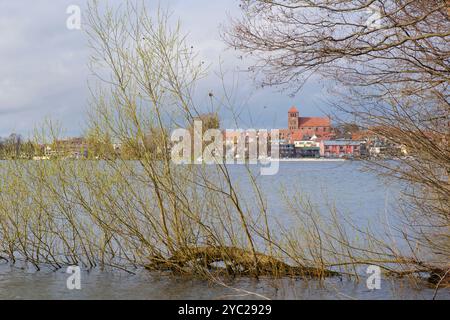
pixel 15 147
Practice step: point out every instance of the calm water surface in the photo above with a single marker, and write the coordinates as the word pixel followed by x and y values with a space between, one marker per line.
pixel 358 194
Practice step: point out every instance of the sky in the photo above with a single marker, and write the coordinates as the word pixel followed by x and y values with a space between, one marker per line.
pixel 44 74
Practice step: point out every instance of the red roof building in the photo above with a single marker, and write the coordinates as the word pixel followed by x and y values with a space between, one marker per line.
pixel 305 128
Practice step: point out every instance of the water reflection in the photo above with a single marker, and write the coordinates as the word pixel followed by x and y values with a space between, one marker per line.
pixel 16 283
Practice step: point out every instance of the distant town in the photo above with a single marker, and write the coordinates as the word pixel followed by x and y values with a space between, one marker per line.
pixel 304 138
pixel 315 137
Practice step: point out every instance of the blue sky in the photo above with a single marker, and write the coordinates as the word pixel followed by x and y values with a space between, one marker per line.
pixel 43 66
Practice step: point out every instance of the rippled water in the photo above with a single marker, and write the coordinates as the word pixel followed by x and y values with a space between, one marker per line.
pixel 16 283
pixel 359 194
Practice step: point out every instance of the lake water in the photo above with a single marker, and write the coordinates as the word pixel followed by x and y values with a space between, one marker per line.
pixel 359 194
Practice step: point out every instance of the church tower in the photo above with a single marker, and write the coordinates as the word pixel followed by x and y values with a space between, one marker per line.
pixel 293 121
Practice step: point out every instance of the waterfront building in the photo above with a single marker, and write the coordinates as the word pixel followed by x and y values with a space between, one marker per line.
pixel 307 149
pixel 287 151
pixel 342 149
pixel 377 143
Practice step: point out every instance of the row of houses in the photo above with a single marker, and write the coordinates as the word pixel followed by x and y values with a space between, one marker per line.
pixel 306 137
pixel 324 149
pixel 373 147
pixel 315 148
pixel 314 137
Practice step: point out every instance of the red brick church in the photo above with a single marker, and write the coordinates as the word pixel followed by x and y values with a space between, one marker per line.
pixel 305 128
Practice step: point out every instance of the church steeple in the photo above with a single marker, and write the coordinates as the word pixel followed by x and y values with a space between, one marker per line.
pixel 293 120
